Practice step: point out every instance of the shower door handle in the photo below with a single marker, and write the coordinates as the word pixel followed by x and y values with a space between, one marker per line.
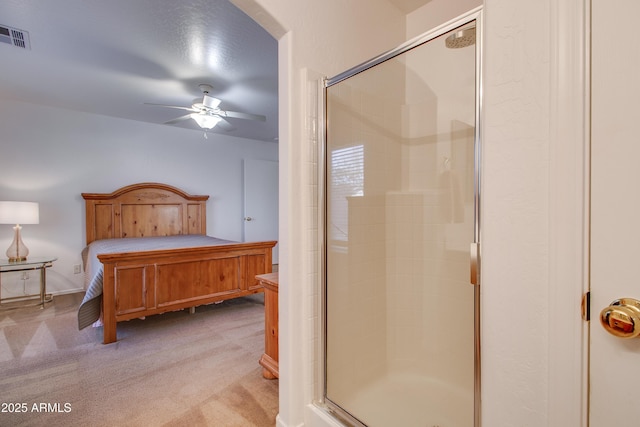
pixel 474 258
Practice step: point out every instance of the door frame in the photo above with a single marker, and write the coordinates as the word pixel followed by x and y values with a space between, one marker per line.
pixel 569 159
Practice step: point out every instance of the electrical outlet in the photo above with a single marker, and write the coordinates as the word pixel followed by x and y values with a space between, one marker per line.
pixel 77 269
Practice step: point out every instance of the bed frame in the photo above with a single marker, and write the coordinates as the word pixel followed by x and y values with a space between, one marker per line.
pixel 138 284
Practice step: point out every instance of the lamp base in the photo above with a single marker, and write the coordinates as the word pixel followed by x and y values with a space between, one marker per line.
pixel 17 252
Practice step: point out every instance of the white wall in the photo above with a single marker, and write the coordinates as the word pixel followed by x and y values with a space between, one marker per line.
pixel 67 153
pixel 515 222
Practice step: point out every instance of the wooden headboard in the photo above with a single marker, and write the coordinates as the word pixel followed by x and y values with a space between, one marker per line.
pixel 142 210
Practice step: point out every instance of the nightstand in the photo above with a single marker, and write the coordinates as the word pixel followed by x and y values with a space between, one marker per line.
pixel 269 360
pixel 32 264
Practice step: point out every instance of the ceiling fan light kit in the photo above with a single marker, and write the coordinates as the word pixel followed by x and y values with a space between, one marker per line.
pixel 205 121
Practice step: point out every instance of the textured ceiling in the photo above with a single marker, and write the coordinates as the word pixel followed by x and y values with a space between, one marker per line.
pixel 110 57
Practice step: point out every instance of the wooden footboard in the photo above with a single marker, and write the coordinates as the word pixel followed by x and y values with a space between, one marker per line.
pixel 138 284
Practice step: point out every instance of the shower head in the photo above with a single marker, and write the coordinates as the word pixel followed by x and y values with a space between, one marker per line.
pixel 461 38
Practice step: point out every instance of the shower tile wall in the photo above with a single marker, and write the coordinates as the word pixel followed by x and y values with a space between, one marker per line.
pixel 394 296
pixel 429 223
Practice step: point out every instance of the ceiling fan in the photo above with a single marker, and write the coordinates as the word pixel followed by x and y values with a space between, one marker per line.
pixel 207 113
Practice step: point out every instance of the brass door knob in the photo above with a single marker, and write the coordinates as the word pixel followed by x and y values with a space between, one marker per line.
pixel 622 318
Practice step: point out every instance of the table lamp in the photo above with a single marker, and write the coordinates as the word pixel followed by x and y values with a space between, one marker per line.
pixel 18 213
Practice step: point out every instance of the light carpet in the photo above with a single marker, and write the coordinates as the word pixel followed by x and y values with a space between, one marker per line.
pixel 173 369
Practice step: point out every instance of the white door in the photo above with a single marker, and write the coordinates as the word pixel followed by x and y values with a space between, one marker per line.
pixel 615 210
pixel 261 202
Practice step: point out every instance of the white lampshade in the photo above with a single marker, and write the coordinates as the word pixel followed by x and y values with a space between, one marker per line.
pixel 19 213
pixel 205 121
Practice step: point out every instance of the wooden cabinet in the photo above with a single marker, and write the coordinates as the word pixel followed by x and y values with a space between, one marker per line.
pixel 269 360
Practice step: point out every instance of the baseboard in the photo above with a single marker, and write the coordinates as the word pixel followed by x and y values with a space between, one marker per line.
pixel 319 417
pixel 280 423
pixel 314 417
pixel 67 291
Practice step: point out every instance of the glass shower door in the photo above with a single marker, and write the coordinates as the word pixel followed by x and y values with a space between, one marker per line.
pixel 400 214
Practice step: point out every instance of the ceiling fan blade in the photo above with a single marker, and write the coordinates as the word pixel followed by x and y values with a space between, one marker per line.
pixel 178 120
pixel 225 125
pixel 239 115
pixel 173 106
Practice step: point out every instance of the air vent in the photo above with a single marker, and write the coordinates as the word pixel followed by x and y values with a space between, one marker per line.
pixel 15 37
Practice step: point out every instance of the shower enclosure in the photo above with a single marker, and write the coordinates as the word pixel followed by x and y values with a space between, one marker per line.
pixel 400 217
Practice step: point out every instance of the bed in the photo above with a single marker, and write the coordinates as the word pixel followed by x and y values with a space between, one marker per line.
pixel 148 253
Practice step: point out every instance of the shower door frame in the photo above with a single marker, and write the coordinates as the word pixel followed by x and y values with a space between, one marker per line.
pixel 473 15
